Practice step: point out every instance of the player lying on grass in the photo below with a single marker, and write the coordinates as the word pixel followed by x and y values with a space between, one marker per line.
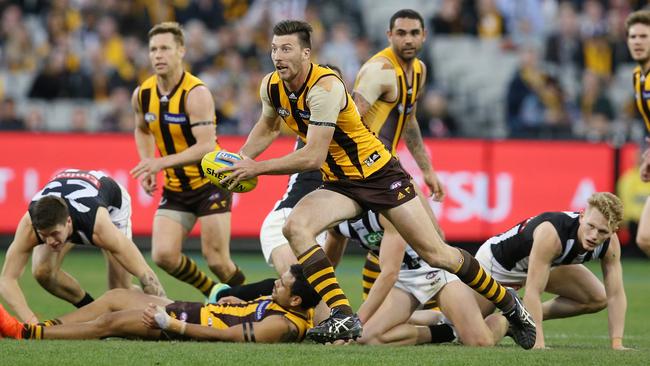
pixel 284 316
pixel 545 253
pixel 405 283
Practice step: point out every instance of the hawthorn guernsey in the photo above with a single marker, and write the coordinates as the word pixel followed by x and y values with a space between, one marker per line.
pixel 213 161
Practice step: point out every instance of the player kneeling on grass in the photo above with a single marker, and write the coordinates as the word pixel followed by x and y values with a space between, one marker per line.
pixel 284 316
pixel 405 283
pixel 546 253
pixel 76 207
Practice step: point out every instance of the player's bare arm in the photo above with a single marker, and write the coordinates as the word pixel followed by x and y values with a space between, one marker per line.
pixel 616 298
pixel 108 237
pixel 266 129
pixel 325 100
pixel 15 261
pixel 144 141
pixel 376 80
pixel 391 253
pixel 200 109
pixel 546 246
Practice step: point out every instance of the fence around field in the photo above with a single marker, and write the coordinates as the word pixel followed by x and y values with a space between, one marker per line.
pixel 490 184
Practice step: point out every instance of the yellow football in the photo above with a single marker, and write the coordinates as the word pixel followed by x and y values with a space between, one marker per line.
pixel 214 161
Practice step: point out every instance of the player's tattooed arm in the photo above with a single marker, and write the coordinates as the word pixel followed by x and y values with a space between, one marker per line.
pixel 290 334
pixel 151 285
pixel 362 104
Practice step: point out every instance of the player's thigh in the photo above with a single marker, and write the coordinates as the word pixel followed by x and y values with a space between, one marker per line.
pixel 575 282
pixel 416 227
pixel 320 210
pixel 396 309
pixel 271 236
pixel 215 232
pixel 457 303
pixel 169 230
pixel 45 260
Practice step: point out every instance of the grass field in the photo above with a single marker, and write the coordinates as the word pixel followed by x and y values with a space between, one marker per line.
pixel 576 341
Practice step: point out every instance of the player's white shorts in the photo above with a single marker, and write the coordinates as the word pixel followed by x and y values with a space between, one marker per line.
pixel 271 235
pixel 424 282
pixel 121 216
pixel 513 278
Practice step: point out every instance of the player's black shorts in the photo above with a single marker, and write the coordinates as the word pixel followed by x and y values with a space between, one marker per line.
pixel 388 187
pixel 203 201
pixel 189 312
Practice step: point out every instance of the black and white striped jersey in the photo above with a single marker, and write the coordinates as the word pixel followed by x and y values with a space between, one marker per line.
pixel 84 192
pixel 369 232
pixel 512 248
pixel 300 185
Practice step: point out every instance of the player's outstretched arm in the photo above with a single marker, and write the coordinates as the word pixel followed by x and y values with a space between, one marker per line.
pixel 272 329
pixel 391 254
pixel 546 245
pixel 616 298
pixel 108 237
pixel 15 261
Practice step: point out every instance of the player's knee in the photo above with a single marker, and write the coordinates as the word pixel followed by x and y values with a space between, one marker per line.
pixel 165 259
pixel 478 340
pixel 643 241
pixel 44 275
pixel 104 325
pixel 293 228
pixel 596 304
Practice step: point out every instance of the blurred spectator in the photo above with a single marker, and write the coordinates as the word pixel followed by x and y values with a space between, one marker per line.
pixel 340 50
pixel 490 22
pixel 9 119
pixel 79 120
pixel 536 105
pixel 596 109
pixel 450 19
pixel 34 120
pixel 564 46
pixel 434 118
pixel 120 116
pixel 524 20
pixel 55 80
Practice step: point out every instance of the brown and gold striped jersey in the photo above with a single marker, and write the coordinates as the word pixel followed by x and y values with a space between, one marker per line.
pixel 170 124
pixel 227 315
pixel 642 95
pixel 387 118
pixel 354 152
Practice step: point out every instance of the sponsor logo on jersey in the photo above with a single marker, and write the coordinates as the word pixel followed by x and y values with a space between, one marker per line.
pixel 374 238
pixel 304 114
pixel 283 112
pixel 372 158
pixel 261 309
pixel 183 316
pixel 174 118
pixel 150 117
pixel 646 94
pixel 293 96
pixel 209 321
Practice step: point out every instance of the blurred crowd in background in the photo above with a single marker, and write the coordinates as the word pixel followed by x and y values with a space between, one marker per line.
pixel 71 65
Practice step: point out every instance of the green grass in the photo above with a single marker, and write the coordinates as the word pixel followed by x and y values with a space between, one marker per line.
pixel 576 341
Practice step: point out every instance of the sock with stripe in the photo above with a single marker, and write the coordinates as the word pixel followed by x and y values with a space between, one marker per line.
pixel 370 273
pixel 51 322
pixel 32 331
pixel 188 272
pixel 320 274
pixel 471 272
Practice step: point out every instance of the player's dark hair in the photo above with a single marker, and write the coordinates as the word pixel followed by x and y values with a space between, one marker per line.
pixel 334 68
pixel 405 13
pixel 301 287
pixel 168 27
pixel 48 212
pixel 298 27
